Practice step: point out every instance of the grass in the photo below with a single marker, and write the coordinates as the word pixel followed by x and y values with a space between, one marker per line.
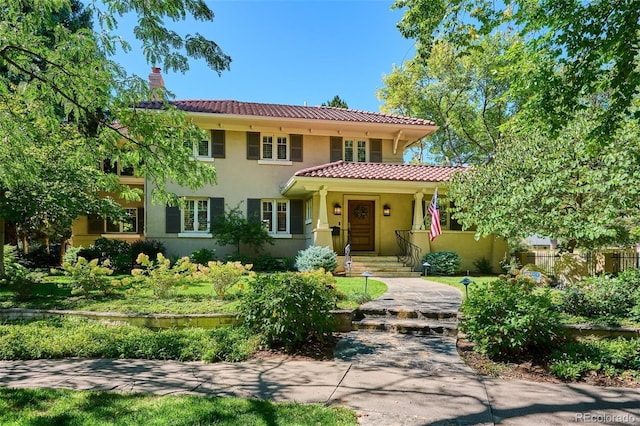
pixel 353 288
pixel 49 406
pixel 195 298
pixel 454 281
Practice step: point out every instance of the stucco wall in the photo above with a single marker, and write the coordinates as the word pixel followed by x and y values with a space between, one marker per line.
pixel 240 179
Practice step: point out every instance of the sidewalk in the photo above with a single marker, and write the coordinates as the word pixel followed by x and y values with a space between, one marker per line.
pixel 389 379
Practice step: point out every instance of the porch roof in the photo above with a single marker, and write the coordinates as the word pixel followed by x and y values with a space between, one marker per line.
pixel 381 171
pixel 396 177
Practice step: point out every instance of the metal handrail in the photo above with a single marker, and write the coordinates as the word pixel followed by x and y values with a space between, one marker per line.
pixel 409 253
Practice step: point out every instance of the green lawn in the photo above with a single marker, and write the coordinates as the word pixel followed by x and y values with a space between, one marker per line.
pixel 48 406
pixel 196 298
pixel 455 280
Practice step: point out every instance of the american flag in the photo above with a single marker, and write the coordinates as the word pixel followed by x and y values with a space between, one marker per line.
pixel 434 211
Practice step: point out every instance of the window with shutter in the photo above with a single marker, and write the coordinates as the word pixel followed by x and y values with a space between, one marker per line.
pixel 218 143
pixel 296 148
pixel 253 146
pixel 336 149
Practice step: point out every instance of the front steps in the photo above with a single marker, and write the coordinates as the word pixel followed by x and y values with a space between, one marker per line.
pixel 379 266
pixel 423 323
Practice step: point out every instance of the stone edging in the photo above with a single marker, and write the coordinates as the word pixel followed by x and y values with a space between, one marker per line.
pixel 155 321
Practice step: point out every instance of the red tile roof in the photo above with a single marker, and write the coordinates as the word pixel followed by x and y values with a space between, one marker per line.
pixel 381 171
pixel 288 111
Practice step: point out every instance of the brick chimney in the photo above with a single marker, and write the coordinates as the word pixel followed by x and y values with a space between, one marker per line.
pixel 156 81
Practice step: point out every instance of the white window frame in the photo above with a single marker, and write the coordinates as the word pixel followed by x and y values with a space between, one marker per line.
pixel 275 204
pixel 356 150
pixel 308 217
pixel 196 223
pixel 276 139
pixel 121 224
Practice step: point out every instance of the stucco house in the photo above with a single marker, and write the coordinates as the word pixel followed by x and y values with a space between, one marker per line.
pixel 314 175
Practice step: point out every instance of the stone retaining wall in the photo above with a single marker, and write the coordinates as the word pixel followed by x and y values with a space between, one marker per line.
pixel 155 321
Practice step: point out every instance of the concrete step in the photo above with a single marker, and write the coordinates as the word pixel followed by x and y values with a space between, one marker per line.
pixel 407 326
pixel 364 312
pixel 386 274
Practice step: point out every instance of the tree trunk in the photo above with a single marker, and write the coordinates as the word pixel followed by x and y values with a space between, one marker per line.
pixel 1 247
pixel 25 244
pixel 63 249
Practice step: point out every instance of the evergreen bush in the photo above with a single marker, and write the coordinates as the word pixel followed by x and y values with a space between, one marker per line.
pixel 443 262
pixel 316 257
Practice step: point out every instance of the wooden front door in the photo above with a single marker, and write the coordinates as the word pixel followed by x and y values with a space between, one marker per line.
pixel 362 225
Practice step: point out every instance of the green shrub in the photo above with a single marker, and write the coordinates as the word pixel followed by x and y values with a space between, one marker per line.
pixel 316 257
pixel 483 265
pixel 607 356
pixel 161 276
pixel 20 280
pixel 222 276
pixel 71 255
pixel 602 296
pixel 149 247
pixel 510 318
pixel 89 276
pixel 443 262
pixel 117 252
pixel 203 256
pixel 288 308
pixel 268 263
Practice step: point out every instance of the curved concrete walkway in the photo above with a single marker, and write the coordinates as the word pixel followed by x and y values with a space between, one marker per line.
pixel 390 379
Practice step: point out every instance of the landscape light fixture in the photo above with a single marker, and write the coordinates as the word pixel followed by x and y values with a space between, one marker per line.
pixel 425 268
pixel 366 275
pixel 466 281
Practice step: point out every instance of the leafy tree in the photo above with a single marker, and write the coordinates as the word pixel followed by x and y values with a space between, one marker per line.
pixel 232 228
pixel 578 49
pixel 564 187
pixel 336 102
pixel 58 83
pixel 468 96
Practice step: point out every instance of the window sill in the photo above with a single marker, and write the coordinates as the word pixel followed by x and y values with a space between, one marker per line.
pixel 194 235
pixel 206 159
pixel 276 162
pixel 280 236
pixel 121 235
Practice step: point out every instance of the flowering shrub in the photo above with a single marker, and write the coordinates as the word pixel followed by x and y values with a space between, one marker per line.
pixel 222 276
pixel 160 276
pixel 89 276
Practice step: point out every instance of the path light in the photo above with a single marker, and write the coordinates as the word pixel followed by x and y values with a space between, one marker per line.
pixel 466 281
pixel 366 275
pixel 425 268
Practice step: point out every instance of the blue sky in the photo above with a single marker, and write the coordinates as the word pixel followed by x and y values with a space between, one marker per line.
pixel 292 52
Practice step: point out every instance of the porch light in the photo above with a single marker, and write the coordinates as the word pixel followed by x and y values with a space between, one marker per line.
pixel 386 210
pixel 337 209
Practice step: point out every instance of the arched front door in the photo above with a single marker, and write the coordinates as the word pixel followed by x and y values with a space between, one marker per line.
pixel 362 224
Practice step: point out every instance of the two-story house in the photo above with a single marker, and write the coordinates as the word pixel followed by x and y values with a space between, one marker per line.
pixel 313 175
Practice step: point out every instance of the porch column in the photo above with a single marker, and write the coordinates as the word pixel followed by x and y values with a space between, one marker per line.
pixel 418 214
pixel 322 233
pixel 323 219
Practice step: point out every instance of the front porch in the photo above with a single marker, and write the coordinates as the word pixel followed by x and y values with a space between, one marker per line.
pixel 383 213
